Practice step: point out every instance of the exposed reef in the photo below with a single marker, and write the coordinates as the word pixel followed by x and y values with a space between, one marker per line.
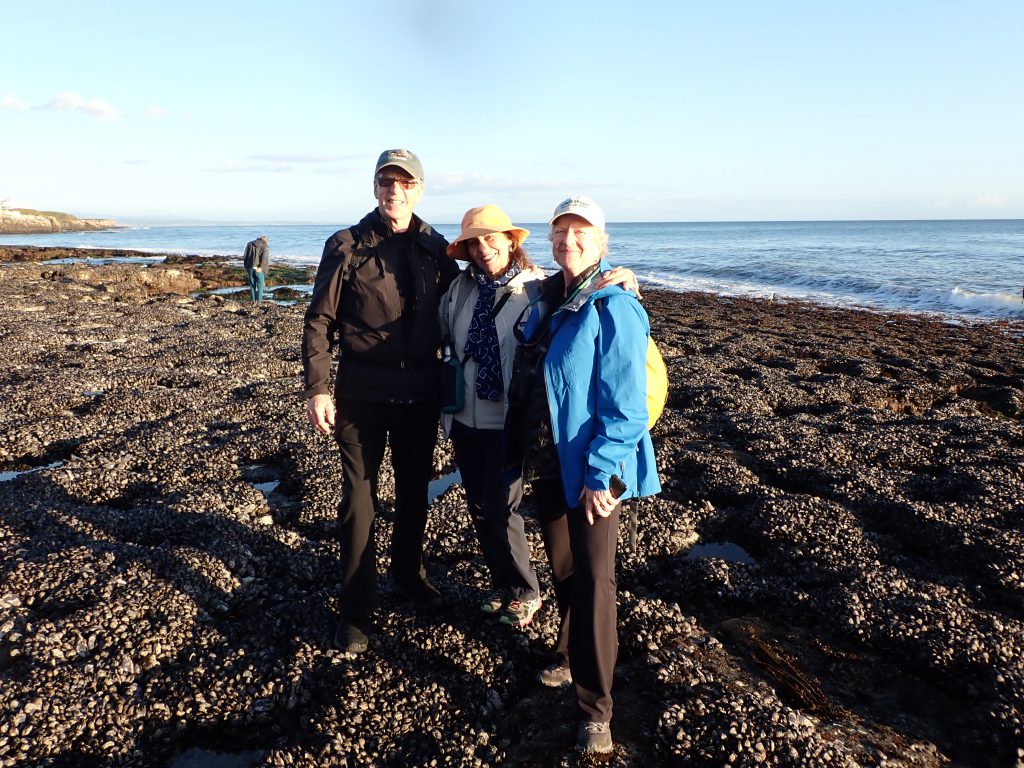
pixel 168 566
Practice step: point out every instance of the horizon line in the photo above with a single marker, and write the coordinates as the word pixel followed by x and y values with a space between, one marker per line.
pixel 309 222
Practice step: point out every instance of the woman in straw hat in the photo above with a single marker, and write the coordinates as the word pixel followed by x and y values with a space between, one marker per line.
pixel 477 316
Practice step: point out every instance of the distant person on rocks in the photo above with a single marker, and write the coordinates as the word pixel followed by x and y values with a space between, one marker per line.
pixel 577 430
pixel 378 287
pixel 257 262
pixel 477 315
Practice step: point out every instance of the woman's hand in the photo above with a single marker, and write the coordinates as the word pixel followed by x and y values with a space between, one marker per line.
pixel 537 272
pixel 621 276
pixel 600 503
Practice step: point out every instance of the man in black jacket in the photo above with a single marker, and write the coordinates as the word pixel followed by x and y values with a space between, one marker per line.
pixel 378 287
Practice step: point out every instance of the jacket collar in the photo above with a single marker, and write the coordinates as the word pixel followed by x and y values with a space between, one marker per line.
pixel 382 230
pixel 587 290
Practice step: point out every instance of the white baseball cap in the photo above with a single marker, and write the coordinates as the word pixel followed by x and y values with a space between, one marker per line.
pixel 582 206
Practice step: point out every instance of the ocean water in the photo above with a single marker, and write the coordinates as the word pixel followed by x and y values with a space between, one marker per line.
pixel 963 269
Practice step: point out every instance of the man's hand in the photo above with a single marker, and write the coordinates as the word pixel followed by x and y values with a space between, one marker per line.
pixel 320 412
pixel 600 503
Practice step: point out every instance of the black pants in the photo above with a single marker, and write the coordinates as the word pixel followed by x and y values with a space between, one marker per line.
pixel 362 429
pixel 493 506
pixel 582 558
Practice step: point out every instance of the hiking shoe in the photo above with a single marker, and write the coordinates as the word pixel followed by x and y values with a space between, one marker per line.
pixel 594 737
pixel 350 638
pixel 421 592
pixel 519 613
pixel 556 676
pixel 493 603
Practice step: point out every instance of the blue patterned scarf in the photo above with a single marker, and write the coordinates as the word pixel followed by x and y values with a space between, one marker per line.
pixel 482 341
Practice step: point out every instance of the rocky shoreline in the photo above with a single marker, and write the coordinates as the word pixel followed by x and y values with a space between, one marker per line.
pixel 165 272
pixel 168 568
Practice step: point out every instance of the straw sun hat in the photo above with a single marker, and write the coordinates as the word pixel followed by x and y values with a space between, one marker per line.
pixel 483 221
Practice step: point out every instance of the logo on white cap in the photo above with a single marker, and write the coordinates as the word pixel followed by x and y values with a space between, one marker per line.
pixel 582 206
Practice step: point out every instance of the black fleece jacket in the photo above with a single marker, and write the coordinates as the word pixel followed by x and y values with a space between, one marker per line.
pixel 379 292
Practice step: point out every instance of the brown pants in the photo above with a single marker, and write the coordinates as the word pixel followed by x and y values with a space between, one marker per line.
pixel 582 559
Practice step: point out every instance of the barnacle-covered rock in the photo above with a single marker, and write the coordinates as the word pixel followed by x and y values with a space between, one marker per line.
pixel 170 579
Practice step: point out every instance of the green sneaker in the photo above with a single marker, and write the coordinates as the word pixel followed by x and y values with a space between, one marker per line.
pixel 519 613
pixel 493 603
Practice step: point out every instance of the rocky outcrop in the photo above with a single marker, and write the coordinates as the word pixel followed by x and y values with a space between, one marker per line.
pixel 51 253
pixel 212 272
pixel 23 221
pixel 124 281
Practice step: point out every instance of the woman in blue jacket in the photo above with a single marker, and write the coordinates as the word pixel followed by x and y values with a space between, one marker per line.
pixel 578 419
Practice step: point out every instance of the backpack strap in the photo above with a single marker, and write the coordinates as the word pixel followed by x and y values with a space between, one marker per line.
pixel 459 298
pixel 354 259
pixel 542 329
pixel 497 307
pixel 358 256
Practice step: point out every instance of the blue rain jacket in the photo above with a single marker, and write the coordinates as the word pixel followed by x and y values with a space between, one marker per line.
pixel 595 374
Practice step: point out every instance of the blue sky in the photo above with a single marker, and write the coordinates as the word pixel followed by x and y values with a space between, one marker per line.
pixel 671 111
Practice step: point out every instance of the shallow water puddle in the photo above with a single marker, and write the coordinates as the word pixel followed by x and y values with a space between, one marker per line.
pixel 442 484
pixel 6 476
pixel 242 291
pixel 200 758
pixel 723 550
pixel 103 260
pixel 261 477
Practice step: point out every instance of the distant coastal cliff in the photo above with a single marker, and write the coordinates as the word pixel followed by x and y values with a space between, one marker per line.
pixel 23 221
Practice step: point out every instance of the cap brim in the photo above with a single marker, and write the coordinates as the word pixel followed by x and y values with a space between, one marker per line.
pixel 575 212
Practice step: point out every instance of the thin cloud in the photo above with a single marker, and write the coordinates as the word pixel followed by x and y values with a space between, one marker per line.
pixel 455 183
pixel 69 101
pixel 155 113
pixel 131 161
pixel 284 162
pixel 334 171
pixel 991 200
pixel 252 168
pixel 301 158
pixel 13 103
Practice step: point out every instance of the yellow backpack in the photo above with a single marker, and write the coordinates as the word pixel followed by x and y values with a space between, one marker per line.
pixel 657 383
pixel 657 379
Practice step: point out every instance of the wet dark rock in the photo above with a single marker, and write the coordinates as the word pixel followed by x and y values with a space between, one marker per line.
pixel 168 579
pixel 203 272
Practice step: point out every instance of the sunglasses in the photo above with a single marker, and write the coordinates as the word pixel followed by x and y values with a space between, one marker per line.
pixel 387 182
